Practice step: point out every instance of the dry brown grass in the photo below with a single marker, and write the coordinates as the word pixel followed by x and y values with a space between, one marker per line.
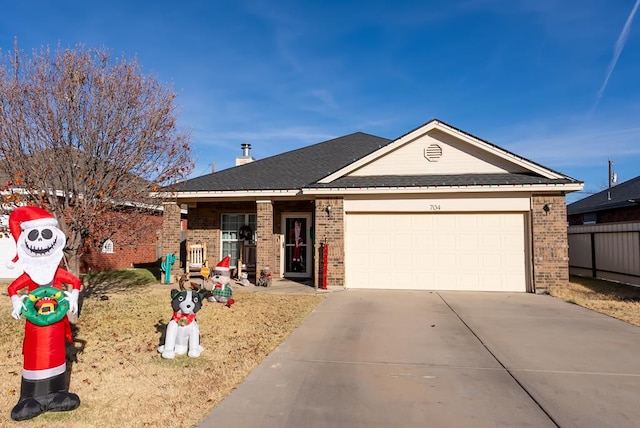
pixel 121 379
pixel 617 300
pixel 123 382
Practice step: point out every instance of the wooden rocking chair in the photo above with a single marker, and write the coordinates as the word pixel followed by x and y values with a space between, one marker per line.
pixel 196 258
pixel 247 260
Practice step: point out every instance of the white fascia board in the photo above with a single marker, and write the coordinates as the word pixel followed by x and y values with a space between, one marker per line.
pixel 565 188
pixel 227 194
pixel 434 124
pixel 379 153
pixel 500 152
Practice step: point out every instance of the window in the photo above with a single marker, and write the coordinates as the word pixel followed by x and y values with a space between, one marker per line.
pixel 231 225
pixel 107 247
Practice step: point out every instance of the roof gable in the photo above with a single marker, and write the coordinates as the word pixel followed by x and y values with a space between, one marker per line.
pixel 439 149
pixel 437 152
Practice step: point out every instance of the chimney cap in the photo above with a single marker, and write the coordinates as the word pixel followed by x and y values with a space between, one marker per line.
pixel 246 157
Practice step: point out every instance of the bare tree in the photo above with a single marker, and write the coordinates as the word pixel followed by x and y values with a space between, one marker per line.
pixel 86 135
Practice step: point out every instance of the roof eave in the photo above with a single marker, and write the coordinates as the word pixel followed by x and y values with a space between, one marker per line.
pixel 209 194
pixel 561 188
pixel 611 206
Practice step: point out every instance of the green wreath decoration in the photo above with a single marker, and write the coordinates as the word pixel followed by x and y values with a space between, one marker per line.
pixel 45 306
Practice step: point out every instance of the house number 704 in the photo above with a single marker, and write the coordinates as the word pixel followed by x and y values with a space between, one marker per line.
pixel 434 207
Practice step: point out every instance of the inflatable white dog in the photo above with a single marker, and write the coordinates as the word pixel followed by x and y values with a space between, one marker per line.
pixel 183 334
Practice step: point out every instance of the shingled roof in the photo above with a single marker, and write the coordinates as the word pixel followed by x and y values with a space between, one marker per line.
pixel 291 170
pixel 304 168
pixel 625 194
pixel 507 179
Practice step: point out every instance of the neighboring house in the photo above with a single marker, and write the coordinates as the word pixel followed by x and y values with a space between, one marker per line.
pixel 119 252
pixel 435 209
pixel 618 203
pixel 135 241
pixel 604 234
pixel 134 244
pixel 134 234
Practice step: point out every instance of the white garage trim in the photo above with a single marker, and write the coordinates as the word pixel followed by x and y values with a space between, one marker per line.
pixel 444 203
pixel 436 251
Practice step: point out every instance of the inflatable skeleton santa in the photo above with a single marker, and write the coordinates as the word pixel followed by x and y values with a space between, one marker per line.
pixel 40 244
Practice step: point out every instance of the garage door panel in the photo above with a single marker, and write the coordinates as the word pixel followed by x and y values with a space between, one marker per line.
pixel 483 251
pixel 470 261
pixel 489 242
pixel 468 241
pixel 422 243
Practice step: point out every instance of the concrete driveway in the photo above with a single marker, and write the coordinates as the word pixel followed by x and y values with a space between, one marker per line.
pixel 370 358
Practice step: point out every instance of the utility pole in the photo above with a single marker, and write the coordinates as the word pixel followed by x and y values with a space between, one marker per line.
pixel 610 180
pixel 613 177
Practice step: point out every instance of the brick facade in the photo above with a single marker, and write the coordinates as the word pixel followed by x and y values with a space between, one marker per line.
pixel 138 243
pixel 123 257
pixel 330 236
pixel 204 224
pixel 267 243
pixel 550 243
pixel 171 230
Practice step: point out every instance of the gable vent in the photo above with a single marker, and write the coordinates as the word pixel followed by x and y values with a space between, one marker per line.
pixel 433 153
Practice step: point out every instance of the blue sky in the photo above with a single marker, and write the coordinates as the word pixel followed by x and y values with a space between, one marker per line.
pixel 555 81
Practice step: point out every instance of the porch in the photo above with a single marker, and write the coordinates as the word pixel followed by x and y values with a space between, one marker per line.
pixel 286 236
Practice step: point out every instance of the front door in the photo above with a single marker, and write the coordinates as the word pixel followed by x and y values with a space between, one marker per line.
pixel 297 245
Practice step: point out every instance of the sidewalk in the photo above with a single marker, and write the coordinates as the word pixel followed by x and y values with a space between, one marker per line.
pixel 284 286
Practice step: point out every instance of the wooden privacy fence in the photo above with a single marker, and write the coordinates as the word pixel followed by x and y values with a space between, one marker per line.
pixel 608 251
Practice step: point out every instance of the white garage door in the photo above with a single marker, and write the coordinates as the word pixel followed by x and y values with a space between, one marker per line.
pixel 471 251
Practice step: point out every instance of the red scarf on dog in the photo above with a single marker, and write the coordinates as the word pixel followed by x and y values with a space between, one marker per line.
pixel 183 319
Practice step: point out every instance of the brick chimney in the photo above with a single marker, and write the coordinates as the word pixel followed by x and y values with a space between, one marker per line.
pixel 246 157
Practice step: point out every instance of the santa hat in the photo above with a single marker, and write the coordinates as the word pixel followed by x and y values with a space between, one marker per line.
pixel 224 264
pixel 26 218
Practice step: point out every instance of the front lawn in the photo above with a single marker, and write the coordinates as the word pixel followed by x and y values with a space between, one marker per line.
pixel 120 377
pixel 621 301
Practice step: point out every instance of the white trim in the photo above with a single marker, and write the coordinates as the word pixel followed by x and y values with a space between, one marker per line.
pixel 566 188
pixel 434 124
pixel 308 245
pixel 225 193
pixel 39 222
pixel 571 187
pixel 545 172
pixel 438 205
pixel 43 374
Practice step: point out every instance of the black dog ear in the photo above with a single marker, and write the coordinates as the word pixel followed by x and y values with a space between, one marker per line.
pixel 205 294
pixel 174 293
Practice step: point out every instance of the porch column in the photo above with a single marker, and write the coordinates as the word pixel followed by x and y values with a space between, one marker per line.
pixel 266 243
pixel 329 227
pixel 171 232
